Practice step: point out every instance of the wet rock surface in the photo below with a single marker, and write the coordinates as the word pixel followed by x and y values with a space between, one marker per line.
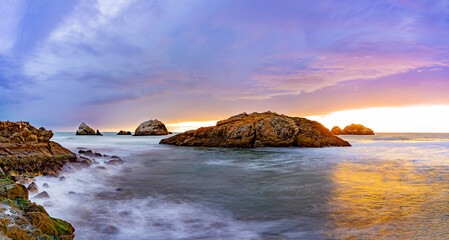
pixel 259 130
pixel 151 127
pixel 22 219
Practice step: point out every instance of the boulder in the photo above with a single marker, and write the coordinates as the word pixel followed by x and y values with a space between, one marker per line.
pixel 32 188
pixel 356 129
pixel 259 130
pixel 83 129
pixel 336 130
pixel 151 127
pixel 43 194
pixel 122 132
pixel 27 150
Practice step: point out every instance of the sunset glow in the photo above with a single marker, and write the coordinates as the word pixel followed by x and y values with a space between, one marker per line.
pixel 392 119
pixel 115 65
pixel 185 126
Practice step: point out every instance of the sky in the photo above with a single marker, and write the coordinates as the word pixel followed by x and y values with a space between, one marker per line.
pixel 115 64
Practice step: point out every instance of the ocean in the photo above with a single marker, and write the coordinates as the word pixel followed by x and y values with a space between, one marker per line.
pixel 386 186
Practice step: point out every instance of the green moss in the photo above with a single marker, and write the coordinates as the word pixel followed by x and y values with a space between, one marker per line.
pixel 5 181
pixel 62 227
pixel 22 204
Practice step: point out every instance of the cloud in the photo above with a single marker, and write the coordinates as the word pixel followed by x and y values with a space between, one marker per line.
pixel 10 12
pixel 94 60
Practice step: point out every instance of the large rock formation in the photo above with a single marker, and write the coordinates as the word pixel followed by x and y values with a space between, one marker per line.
pixel 151 127
pixel 356 129
pixel 22 219
pixel 336 130
pixel 83 129
pixel 122 132
pixel 27 150
pixel 259 130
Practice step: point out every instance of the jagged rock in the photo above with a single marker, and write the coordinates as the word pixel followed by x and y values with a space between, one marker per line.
pixel 43 194
pixel 25 150
pixel 23 132
pixel 151 127
pixel 336 130
pixel 32 188
pixel 29 220
pixel 356 129
pixel 122 132
pixel 83 129
pixel 259 130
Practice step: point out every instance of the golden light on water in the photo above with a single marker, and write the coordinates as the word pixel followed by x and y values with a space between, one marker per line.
pixel 388 200
pixel 432 118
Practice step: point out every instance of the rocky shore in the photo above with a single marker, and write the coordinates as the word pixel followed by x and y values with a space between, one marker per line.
pixel 26 152
pixel 259 130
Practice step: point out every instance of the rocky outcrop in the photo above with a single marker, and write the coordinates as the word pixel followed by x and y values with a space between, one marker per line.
pixel 151 127
pixel 356 129
pixel 83 129
pixel 122 132
pixel 22 219
pixel 259 130
pixel 336 130
pixel 27 150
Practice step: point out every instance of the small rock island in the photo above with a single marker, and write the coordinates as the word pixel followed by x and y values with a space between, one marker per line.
pixel 123 132
pixel 266 129
pixel 151 127
pixel 353 129
pixel 83 129
pixel 336 130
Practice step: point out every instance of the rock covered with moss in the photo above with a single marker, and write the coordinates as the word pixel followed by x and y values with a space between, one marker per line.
pixel 27 150
pixel 259 130
pixel 83 129
pixel 22 219
pixel 151 127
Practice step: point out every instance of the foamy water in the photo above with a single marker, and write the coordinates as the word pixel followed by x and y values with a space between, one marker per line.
pixel 387 186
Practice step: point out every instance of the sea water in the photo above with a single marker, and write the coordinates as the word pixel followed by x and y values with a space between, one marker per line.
pixel 386 186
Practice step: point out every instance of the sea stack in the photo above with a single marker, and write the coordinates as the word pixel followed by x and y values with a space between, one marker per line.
pixel 353 129
pixel 122 132
pixel 259 130
pixel 151 127
pixel 83 129
pixel 336 130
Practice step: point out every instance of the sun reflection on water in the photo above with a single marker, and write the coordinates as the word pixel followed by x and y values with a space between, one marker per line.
pixel 389 200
